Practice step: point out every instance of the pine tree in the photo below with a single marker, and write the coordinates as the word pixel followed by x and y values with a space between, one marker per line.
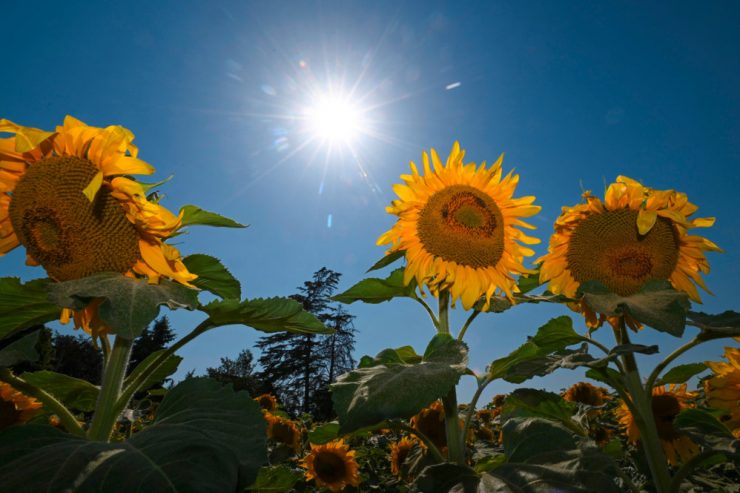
pixel 151 340
pixel 77 357
pixel 240 373
pixel 300 367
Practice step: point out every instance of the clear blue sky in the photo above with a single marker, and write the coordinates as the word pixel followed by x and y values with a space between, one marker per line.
pixel 575 93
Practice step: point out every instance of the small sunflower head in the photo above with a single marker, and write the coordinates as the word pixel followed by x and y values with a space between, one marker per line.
pixel 498 400
pixel 399 452
pixel 635 235
pixel 588 394
pixel 267 402
pixel 722 389
pixel 283 431
pixel 332 465
pixel 16 407
pixel 458 224
pixel 431 422
pixel 667 403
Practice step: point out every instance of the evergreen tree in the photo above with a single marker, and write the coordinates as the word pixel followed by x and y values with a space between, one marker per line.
pixel 151 340
pixel 240 373
pixel 77 357
pixel 301 367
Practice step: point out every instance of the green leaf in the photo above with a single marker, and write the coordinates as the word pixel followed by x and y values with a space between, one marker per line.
pixel 681 373
pixel 367 396
pixel 24 305
pixel 194 215
pixel 72 392
pixel 129 304
pixel 374 290
pixel 556 334
pixel 497 304
pixel 167 368
pixel 605 375
pixel 543 457
pixel 22 350
pixel 266 314
pixel 275 479
pixel 324 433
pixel 725 324
pixel 529 283
pixel 205 438
pixel 542 404
pixel 707 431
pixel 389 357
pixel 657 304
pixel 213 276
pixel 387 260
pixel 544 365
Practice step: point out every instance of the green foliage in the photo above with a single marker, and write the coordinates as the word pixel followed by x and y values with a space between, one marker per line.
pixel 366 396
pixel 193 215
pixel 542 457
pixel 374 290
pixel 681 373
pixel 542 404
pixel 324 433
pixel 21 350
pixel 387 260
pixel 129 304
pixel 657 304
pixel 708 431
pixel 265 314
pixel 275 479
pixel 72 392
pixel 541 354
pixel 213 276
pixel 725 324
pixel 167 368
pixel 205 438
pixel 389 357
pixel 24 305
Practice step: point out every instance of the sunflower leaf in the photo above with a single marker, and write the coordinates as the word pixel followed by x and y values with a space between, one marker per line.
pixel 275 479
pixel 324 433
pixel 374 290
pixel 206 437
pixel 21 350
pixel 128 305
pixel 213 276
pixel 541 456
pixel 72 392
pixel 681 373
pixel 708 431
pixel 657 304
pixel 530 282
pixel 367 396
pixel 387 260
pixel 539 403
pixel 725 324
pixel 266 314
pixel 193 215
pixel 167 368
pixel 24 305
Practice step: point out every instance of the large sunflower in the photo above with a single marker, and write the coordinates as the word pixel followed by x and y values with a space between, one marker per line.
pixel 458 225
pixel 636 234
pixel 332 465
pixel 16 407
pixel 722 390
pixel 68 197
pixel 666 404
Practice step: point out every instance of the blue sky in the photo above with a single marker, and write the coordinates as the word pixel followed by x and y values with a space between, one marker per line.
pixel 575 93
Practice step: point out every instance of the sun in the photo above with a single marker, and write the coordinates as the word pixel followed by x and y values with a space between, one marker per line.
pixel 335 119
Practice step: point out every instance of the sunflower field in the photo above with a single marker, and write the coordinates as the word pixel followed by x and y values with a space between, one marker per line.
pixel 627 264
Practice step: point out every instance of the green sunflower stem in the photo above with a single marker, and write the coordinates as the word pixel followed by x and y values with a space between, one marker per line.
pixel 106 409
pixel 49 401
pixel 455 449
pixel 643 416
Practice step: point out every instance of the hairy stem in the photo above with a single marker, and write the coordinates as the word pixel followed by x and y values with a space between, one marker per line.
pixel 48 400
pixel 106 409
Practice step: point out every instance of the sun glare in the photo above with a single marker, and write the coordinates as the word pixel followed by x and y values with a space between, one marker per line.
pixel 335 119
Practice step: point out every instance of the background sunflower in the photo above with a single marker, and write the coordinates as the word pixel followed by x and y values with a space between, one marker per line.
pixel 332 465
pixel 459 226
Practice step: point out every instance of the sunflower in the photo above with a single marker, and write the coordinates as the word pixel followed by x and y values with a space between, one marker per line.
pixel 332 465
pixel 430 421
pixel 484 433
pixel 16 407
pixel 68 197
pixel 458 226
pixel 666 404
pixel 636 234
pixel 722 390
pixel 399 452
pixel 283 431
pixel 268 402
pixel 588 394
